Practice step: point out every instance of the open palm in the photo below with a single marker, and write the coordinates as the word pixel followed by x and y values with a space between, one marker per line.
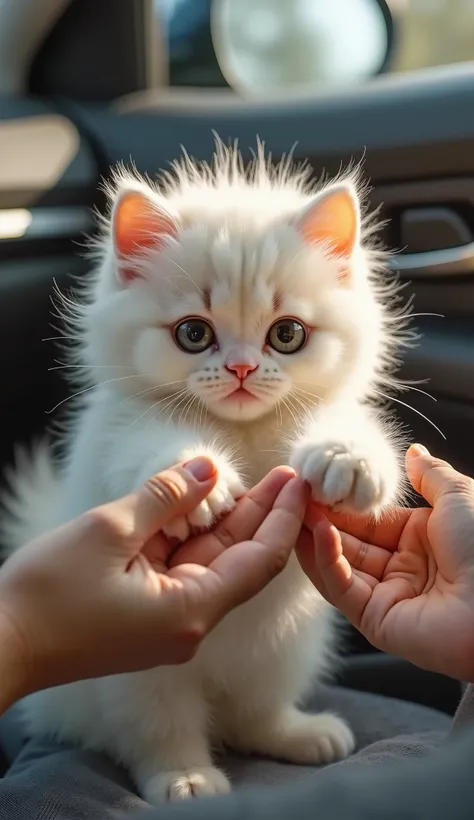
pixel 407 582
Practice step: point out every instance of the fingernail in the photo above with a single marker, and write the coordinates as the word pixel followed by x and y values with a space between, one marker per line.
pixel 201 468
pixel 418 450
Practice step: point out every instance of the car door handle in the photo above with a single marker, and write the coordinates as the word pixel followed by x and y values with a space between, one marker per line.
pixel 458 261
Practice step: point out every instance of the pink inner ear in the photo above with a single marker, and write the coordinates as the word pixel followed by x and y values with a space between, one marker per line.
pixel 139 223
pixel 332 220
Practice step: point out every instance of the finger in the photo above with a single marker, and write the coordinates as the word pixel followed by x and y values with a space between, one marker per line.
pixel 385 532
pixel 246 568
pixel 157 551
pixel 164 496
pixel 306 554
pixel 368 559
pixel 253 508
pixel 433 478
pixel 281 527
pixel 363 557
pixel 344 589
pixel 240 525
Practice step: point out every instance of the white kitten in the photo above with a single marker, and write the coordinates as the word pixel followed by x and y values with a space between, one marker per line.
pixel 241 316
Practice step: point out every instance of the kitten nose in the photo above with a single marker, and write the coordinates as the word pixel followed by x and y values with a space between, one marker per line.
pixel 241 370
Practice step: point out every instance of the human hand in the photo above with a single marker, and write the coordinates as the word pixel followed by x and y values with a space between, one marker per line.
pixel 405 582
pixel 104 594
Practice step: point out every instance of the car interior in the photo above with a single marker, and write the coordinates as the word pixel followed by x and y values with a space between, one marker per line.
pixel 98 87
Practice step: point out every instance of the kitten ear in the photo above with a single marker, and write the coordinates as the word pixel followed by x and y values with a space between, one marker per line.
pixel 139 222
pixel 333 219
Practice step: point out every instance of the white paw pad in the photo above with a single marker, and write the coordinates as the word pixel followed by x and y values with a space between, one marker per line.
pixel 182 785
pixel 340 477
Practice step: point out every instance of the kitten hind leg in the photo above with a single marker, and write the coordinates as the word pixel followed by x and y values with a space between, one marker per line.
pixel 296 737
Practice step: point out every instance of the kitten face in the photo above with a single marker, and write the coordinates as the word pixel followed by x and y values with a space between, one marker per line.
pixel 247 339
pixel 228 308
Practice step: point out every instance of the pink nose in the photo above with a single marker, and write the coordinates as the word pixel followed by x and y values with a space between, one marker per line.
pixel 241 370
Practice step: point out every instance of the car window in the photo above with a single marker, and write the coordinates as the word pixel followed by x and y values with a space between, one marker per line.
pixel 425 33
pixel 433 32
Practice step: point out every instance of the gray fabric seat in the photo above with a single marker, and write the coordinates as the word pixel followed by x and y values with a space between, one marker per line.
pixel 60 783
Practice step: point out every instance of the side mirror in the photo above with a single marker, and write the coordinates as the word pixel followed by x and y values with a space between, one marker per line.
pixel 267 46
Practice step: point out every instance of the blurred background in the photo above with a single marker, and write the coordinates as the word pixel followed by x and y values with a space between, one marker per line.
pixel 338 41
pixel 255 48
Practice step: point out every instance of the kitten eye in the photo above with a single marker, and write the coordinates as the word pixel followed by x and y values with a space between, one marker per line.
pixel 194 335
pixel 286 336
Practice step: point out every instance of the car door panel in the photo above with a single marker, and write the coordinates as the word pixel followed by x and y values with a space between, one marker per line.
pixel 408 127
pixel 48 184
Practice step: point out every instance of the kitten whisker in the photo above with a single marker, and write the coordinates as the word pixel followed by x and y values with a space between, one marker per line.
pixel 172 401
pixel 290 410
pixel 62 366
pixel 302 401
pixel 278 410
pixel 186 274
pixel 303 405
pixel 186 409
pixel 417 390
pixel 178 405
pixel 397 382
pixel 151 406
pixel 83 391
pixel 417 315
pixel 413 409
pixel 61 338
pixel 194 406
pixel 309 395
pixel 151 389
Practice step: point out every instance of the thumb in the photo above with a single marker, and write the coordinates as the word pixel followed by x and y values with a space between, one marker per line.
pixel 432 477
pixel 171 493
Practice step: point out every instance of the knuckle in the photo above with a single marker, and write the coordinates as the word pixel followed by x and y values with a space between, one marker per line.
pixel 185 654
pixel 166 488
pixel 462 485
pixel 278 563
pixel 101 522
pixel 225 535
pixel 455 483
pixel 361 555
pixel 190 640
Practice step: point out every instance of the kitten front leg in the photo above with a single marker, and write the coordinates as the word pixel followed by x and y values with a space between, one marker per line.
pixel 165 743
pixel 183 770
pixel 348 460
pixel 182 446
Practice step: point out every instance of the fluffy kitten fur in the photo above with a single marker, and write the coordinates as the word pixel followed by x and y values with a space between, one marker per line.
pixel 239 250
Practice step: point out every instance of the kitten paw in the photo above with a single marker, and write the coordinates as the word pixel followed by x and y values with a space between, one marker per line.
pixel 297 737
pixel 220 501
pixel 201 781
pixel 318 739
pixel 342 477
